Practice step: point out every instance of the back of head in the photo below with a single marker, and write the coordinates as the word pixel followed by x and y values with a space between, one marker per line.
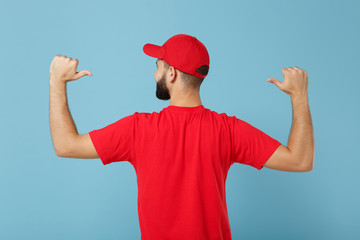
pixel 191 81
pixel 185 53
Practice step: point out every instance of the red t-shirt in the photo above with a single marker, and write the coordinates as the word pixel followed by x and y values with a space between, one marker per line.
pixel 181 157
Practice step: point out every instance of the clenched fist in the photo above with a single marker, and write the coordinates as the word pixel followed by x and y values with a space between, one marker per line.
pixel 63 69
pixel 295 81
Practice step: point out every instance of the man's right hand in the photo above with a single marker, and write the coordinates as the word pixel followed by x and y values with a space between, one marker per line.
pixel 295 81
pixel 63 69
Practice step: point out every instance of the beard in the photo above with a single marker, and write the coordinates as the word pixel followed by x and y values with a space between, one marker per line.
pixel 162 92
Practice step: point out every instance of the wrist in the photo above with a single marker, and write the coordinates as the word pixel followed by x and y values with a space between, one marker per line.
pixel 56 82
pixel 299 96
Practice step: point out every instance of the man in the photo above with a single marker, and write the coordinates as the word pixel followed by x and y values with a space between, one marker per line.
pixel 182 154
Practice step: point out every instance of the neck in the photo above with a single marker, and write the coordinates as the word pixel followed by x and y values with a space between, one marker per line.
pixel 186 99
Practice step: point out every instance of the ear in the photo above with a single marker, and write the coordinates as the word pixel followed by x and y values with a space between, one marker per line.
pixel 172 74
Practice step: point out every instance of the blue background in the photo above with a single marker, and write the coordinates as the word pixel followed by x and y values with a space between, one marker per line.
pixel 47 197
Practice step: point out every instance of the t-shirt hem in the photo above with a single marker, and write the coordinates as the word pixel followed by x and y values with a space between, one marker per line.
pixel 267 154
pixel 97 144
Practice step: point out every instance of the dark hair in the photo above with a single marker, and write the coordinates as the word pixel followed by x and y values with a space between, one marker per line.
pixel 191 80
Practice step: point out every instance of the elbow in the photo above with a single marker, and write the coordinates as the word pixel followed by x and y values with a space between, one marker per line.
pixel 64 148
pixel 308 166
pixel 308 169
pixel 310 162
pixel 60 152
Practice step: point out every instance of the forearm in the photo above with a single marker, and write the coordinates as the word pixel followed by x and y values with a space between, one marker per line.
pixel 62 126
pixel 301 138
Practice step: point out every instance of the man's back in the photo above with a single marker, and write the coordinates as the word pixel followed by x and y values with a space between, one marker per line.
pixel 181 156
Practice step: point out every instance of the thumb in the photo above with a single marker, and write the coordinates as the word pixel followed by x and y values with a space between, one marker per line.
pixel 274 81
pixel 82 73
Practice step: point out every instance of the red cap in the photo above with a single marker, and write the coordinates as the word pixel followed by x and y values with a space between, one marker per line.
pixel 181 51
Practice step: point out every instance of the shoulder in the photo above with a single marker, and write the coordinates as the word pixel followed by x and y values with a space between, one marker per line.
pixel 232 122
pixel 145 115
pixel 145 118
pixel 223 116
pixel 222 119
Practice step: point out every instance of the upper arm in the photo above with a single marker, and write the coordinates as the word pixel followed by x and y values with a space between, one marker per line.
pixel 80 146
pixel 283 160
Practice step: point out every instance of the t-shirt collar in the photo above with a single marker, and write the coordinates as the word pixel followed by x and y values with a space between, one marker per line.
pixel 184 109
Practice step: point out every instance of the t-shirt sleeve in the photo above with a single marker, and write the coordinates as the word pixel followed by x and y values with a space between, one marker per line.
pixel 115 142
pixel 250 145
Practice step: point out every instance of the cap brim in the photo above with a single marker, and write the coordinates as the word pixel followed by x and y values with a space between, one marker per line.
pixel 153 50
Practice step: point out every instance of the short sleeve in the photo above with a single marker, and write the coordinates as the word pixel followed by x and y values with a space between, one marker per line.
pixel 250 145
pixel 115 142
